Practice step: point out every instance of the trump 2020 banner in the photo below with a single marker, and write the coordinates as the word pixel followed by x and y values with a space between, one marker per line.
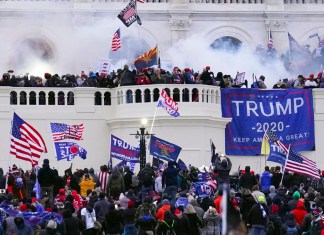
pixel 288 113
pixel 163 149
pixel 119 149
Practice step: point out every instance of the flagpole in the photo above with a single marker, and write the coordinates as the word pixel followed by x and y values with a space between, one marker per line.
pixel 151 130
pixel 284 166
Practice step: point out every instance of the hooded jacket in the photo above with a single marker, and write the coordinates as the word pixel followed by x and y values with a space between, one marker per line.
pixel 23 229
pixel 299 212
pixel 170 175
pixel 46 176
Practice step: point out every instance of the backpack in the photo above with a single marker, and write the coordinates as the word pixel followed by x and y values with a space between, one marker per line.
pixel 255 85
pixel 170 230
pixel 292 230
pixel 270 229
pixel 135 181
pixel 146 178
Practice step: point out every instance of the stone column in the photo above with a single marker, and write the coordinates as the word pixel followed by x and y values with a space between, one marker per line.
pixel 180 19
pixel 276 20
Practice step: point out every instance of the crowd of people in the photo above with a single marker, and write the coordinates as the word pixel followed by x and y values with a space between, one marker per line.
pixel 161 201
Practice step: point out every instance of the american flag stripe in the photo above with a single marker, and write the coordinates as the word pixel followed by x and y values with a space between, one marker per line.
pixel 141 1
pixel 271 137
pixel 129 13
pixel 26 143
pixel 62 131
pixel 301 165
pixel 116 44
pixel 103 180
pixel 270 41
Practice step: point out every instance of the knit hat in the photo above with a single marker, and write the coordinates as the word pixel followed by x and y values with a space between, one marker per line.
pixel 23 207
pixel 130 203
pixel 165 202
pixel 187 70
pixel 311 76
pixel 207 67
pixel 177 212
pixel 51 224
pixel 296 195
pixel 14 167
pixel 275 209
pixel 261 199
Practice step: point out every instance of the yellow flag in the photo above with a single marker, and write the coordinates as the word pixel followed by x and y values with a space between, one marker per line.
pixel 265 147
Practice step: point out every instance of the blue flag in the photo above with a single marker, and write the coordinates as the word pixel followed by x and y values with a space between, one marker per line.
pixel 69 150
pixel 276 154
pixel 182 165
pixel 163 149
pixel 121 150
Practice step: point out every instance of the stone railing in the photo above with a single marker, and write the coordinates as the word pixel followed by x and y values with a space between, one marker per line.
pixel 49 96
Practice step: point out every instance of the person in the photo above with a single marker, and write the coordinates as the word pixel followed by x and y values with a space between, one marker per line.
pixel 165 207
pixel 145 206
pixel 266 179
pixel 146 223
pixel 114 220
pixel 21 228
pixel 299 212
pixel 146 177
pixel 276 177
pixel 70 180
pixel 158 183
pixel 299 83
pixel 195 222
pixel 51 228
pixel 207 76
pixel 257 218
pixel 291 226
pixel 311 83
pixel 129 219
pixel 103 177
pixel 115 184
pixel 88 216
pixel 223 168
pixel 128 175
pixel 211 217
pixel 168 224
pixel 17 183
pixel 72 224
pixel 247 180
pixel 46 178
pixel 170 180
pixel 127 79
pixel 86 184
pixel 261 82
pixel 102 207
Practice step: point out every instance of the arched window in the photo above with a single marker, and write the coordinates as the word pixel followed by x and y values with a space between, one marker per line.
pixel 13 98
pixel 107 98
pixel 98 98
pixel 51 98
pixel 195 95
pixel 61 98
pixel 41 98
pixel 147 95
pixel 129 96
pixel 23 98
pixel 176 94
pixel 185 95
pixel 32 98
pixel 70 100
pixel 156 94
pixel 138 96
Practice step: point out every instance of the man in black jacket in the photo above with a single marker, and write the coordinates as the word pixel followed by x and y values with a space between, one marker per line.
pixel 46 179
pixel 170 179
pixel 248 180
pixel 146 177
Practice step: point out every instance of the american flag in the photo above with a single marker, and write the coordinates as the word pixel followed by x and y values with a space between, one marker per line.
pixel 26 142
pixel 61 131
pixel 301 165
pixel 271 137
pixel 270 41
pixel 116 44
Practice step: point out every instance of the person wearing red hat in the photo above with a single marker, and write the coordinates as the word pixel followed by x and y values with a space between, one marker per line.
pixel 207 76
pixel 299 212
pixel 311 83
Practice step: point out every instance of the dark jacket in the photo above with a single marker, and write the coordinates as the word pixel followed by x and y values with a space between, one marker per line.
pixel 24 229
pixel 170 175
pixel 248 181
pixel 128 180
pixel 195 223
pixel 255 216
pixel 223 171
pixel 46 176
pixel 146 171
pixel 127 78
pixel 72 225
pixel 102 208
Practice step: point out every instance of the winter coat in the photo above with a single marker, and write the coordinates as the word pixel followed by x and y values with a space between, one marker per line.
pixel 255 216
pixel 85 185
pixel 195 224
pixel 170 175
pixel 101 207
pixel 25 229
pixel 127 78
pixel 266 180
pixel 46 176
pixel 299 212
pixel 248 181
pixel 115 184
pixel 223 172
pixel 212 222
pixel 160 213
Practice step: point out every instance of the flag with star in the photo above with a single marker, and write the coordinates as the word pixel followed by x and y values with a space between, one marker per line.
pixel 299 164
pixel 148 59
pixel 26 142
